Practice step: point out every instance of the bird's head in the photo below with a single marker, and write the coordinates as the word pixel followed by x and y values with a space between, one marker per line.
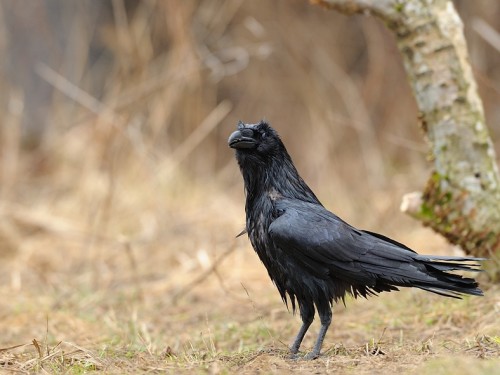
pixel 256 142
pixel 265 164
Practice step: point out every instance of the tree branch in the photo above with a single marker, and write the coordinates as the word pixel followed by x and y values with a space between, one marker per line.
pixel 388 10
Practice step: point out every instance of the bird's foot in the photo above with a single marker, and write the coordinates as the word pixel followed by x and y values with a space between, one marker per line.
pixel 310 356
pixel 294 352
pixel 296 356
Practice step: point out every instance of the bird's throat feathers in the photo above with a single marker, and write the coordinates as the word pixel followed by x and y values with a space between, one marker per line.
pixel 273 177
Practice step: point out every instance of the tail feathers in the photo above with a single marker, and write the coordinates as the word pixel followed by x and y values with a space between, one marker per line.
pixel 453 260
pixel 447 263
pixel 449 284
pixel 447 293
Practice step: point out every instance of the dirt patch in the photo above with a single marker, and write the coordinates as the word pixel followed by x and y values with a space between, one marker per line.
pixel 63 317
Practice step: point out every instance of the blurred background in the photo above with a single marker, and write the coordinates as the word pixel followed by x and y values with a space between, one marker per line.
pixel 115 175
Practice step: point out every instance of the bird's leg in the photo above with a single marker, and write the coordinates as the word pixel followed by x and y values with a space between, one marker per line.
pixel 294 348
pixel 325 316
pixel 307 315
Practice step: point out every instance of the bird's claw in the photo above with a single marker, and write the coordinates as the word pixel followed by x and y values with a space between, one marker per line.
pixel 310 356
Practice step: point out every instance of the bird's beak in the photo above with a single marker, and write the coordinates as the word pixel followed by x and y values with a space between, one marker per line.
pixel 237 140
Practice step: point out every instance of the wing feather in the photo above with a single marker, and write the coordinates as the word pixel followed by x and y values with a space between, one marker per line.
pixel 328 247
pixel 317 238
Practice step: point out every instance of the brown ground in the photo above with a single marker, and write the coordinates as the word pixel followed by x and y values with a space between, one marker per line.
pixel 76 304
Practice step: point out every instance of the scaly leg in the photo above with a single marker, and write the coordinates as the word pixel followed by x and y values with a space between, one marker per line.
pixel 307 315
pixel 325 315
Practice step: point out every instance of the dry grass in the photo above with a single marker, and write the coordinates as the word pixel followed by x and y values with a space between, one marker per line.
pixel 234 321
pixel 117 248
pixel 135 307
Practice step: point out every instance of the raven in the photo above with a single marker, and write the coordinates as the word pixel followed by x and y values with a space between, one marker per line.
pixel 314 257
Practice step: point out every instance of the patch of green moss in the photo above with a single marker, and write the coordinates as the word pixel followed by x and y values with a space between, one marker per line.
pixel 399 7
pixel 442 210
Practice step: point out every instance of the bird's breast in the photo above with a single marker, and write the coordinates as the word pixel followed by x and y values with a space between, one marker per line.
pixel 259 218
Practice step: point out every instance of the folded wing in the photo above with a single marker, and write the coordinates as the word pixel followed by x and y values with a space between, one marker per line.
pixel 328 247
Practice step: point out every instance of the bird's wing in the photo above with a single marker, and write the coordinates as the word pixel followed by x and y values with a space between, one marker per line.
pixel 328 246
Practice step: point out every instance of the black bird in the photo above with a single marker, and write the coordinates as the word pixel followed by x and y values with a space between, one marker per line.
pixel 315 258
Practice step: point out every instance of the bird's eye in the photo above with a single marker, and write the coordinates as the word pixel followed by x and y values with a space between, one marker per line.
pixel 263 135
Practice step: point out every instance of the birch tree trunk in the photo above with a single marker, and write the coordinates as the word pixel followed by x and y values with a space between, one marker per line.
pixel 461 200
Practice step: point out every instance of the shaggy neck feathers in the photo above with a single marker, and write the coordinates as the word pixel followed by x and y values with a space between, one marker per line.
pixel 274 176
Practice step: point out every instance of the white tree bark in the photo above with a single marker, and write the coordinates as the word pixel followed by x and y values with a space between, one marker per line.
pixel 462 197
